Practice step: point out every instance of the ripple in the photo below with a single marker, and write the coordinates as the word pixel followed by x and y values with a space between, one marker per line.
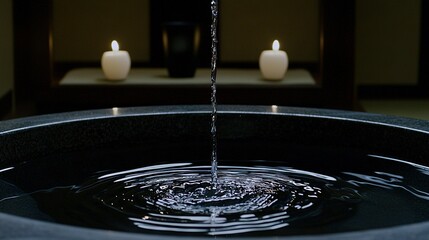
pixel 386 181
pixel 181 197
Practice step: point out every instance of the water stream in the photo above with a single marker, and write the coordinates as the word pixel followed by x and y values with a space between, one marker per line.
pixel 214 11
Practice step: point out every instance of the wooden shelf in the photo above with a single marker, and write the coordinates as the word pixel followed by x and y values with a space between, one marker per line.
pixel 159 77
pixel 86 88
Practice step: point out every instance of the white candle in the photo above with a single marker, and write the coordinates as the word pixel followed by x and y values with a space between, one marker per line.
pixel 116 63
pixel 273 63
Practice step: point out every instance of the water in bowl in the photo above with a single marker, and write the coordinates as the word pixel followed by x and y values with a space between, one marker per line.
pixel 304 190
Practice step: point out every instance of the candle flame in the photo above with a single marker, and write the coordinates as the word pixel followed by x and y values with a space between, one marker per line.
pixel 115 111
pixel 274 108
pixel 115 45
pixel 276 45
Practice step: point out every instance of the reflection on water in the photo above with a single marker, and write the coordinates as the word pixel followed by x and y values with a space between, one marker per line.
pixel 319 193
pixel 387 181
pixel 180 197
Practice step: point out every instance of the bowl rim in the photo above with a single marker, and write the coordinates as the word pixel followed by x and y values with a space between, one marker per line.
pixel 25 123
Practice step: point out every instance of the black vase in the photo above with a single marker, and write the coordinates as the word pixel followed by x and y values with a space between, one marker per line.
pixel 181 43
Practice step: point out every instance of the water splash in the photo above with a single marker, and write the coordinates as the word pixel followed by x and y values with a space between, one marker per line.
pixel 181 198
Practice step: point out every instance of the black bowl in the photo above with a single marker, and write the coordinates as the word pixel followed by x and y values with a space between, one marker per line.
pixel 29 139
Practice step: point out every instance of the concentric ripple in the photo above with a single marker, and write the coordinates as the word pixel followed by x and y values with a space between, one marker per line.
pixel 181 197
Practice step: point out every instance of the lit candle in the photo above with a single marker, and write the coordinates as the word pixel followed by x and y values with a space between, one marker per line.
pixel 116 63
pixel 273 63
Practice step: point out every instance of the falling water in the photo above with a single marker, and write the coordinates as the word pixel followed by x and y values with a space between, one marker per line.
pixel 214 9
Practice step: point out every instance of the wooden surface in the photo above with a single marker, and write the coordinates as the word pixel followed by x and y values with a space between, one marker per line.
pixel 159 76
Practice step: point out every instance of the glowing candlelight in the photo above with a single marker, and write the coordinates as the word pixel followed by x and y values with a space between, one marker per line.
pixel 273 63
pixel 115 46
pixel 116 63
